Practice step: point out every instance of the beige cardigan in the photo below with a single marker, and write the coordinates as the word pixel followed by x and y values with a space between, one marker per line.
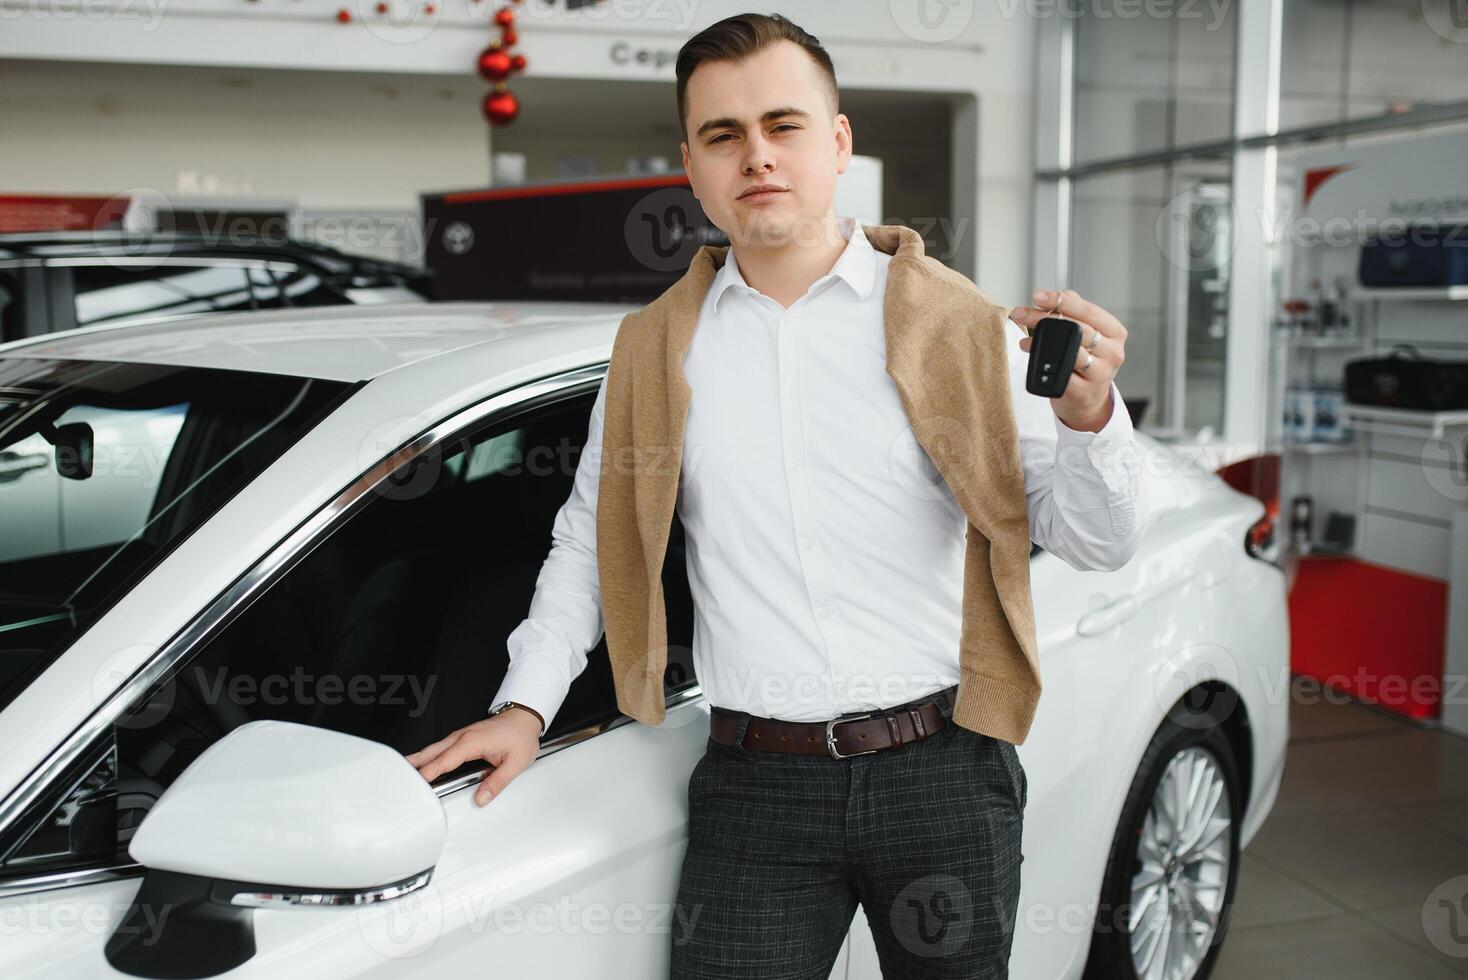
pixel 945 352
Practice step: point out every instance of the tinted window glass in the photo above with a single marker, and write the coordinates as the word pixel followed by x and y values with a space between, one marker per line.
pixel 9 308
pixel 104 293
pixel 168 446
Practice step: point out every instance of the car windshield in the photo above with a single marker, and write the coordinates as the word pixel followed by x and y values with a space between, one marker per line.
pixel 105 467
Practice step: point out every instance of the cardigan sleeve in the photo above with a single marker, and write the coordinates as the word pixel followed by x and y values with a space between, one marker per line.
pixel 1086 492
pixel 549 648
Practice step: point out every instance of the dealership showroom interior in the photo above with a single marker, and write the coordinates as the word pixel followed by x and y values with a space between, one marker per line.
pixel 669 478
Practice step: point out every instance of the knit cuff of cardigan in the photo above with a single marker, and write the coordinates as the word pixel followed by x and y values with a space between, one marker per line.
pixel 994 707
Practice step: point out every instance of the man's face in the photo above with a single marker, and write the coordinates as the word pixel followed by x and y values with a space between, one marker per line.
pixel 733 145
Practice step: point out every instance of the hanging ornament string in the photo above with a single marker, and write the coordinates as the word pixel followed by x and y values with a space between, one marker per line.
pixel 497 64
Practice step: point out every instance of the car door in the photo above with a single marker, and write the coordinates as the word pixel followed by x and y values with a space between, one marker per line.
pixel 390 625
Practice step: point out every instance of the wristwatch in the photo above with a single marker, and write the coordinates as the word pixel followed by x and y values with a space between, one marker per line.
pixel 507 705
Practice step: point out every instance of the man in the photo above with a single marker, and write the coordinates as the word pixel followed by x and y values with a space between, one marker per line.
pixel 831 574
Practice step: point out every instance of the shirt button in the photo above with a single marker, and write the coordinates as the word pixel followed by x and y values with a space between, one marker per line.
pixel 827 615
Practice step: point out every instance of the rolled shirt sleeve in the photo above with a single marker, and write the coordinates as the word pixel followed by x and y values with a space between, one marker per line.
pixel 1087 499
pixel 549 648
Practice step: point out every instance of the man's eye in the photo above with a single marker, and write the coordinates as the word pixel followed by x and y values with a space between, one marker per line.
pixel 718 138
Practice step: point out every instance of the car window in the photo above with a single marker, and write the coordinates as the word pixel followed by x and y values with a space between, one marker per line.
pixel 392 628
pixel 105 293
pixel 281 284
pixel 166 446
pixel 10 326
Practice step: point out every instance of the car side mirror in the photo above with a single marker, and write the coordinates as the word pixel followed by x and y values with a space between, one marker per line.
pixel 274 815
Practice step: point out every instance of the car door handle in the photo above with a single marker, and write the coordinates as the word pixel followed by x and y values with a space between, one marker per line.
pixel 15 465
pixel 1101 619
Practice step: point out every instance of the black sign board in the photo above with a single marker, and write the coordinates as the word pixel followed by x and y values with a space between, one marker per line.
pixel 607 240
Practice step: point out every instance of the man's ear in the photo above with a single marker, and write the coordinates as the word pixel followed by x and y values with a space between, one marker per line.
pixel 683 148
pixel 844 142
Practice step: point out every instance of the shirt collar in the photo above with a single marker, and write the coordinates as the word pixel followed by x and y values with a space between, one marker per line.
pixel 856 264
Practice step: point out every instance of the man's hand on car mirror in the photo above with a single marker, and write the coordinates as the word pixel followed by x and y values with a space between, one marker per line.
pixel 509 741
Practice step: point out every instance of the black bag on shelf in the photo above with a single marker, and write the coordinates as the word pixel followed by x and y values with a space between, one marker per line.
pixel 1416 382
pixel 1422 255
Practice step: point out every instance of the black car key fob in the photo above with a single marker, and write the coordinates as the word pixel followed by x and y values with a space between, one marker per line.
pixel 1054 344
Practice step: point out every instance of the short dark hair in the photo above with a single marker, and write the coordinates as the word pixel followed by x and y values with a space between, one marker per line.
pixel 736 38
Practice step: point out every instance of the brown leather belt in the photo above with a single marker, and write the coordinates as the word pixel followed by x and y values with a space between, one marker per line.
pixel 839 738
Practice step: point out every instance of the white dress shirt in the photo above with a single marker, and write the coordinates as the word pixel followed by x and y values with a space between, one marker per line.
pixel 825 553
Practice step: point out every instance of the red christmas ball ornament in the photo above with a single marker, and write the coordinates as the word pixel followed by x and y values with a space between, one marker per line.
pixel 501 107
pixel 344 16
pixel 505 17
pixel 494 65
pixel 509 37
pixel 518 62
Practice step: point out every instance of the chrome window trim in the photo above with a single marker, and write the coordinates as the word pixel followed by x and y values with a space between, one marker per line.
pixel 567 739
pixel 262 574
pixel 325 899
pixel 146 261
pixel 71 878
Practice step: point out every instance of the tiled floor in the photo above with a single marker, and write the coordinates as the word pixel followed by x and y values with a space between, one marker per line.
pixel 1371 818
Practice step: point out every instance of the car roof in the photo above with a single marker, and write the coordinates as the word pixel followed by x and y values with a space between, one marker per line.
pixel 341 343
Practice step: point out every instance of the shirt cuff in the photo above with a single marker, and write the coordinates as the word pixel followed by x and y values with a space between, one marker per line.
pixel 1110 451
pixel 528 684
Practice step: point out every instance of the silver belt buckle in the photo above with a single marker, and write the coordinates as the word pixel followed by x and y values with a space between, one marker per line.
pixel 831 735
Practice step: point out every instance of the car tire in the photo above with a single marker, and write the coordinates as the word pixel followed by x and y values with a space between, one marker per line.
pixel 1149 880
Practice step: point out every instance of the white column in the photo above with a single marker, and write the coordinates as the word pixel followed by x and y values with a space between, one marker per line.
pixel 1251 300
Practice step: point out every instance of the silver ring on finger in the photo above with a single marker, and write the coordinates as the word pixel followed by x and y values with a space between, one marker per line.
pixel 1090 358
pixel 1095 340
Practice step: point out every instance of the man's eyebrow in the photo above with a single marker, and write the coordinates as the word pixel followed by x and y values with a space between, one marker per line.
pixel 728 122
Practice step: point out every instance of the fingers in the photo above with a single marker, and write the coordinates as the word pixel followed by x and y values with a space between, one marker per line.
pixel 493 784
pixel 429 751
pixel 1069 303
pixel 446 761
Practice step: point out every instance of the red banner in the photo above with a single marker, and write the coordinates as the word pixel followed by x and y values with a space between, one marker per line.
pixel 56 213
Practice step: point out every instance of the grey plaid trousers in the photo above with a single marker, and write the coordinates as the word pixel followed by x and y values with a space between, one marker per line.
pixel 782 848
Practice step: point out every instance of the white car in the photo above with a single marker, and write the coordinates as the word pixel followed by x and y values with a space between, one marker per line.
pixel 205 702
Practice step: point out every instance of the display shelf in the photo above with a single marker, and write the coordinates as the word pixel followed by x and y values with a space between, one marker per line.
pixel 1403 421
pixel 1321 448
pixel 1410 292
pixel 1319 343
